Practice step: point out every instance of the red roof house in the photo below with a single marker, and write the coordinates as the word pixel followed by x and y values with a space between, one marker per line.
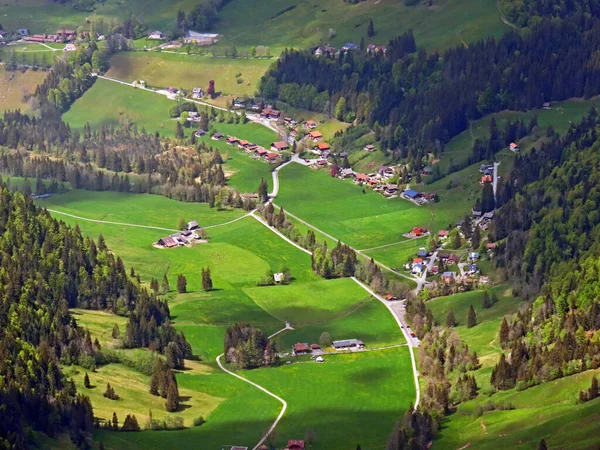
pixel 301 349
pixel 281 145
pixel 323 146
pixel 296 445
pixel 316 135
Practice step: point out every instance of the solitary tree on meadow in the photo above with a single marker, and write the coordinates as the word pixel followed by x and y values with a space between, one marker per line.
pixel 450 319
pixel 181 284
pixel 371 29
pixel 207 283
pixel 472 319
pixel 86 381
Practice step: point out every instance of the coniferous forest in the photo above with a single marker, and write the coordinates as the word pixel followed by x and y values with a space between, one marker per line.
pixel 46 267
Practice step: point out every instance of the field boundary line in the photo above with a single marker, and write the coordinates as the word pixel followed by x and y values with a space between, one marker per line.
pixel 386 245
pixel 282 401
pixel 280 234
pixel 109 222
pixel 405 333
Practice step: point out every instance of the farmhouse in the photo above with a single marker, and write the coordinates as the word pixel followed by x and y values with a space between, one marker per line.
pixel 279 146
pixel 348 344
pixel 349 46
pixel 347 173
pixel 23 32
pixel 199 133
pixel 426 171
pixel 270 113
pixel 70 48
pixel 443 234
pixel 193 116
pixel 547 105
pixel 168 242
pixel 361 178
pixel 156 35
pixel 491 245
pixel 193 225
pixel 453 259
pixel 390 189
pixel 322 146
pixel 472 269
pixel 232 140
pixel 418 232
pixel 411 194
pixel 473 256
pixel 216 136
pixel 315 135
pixel 197 92
pixel 513 147
pixel 369 148
pixel 301 349
pixel 486 179
pixel 295 445
pixel 271 157
pixel 310 124
pixel 193 37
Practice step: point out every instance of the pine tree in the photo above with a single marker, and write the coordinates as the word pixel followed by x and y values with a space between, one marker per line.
pixel 504 332
pixel 207 284
pixel 486 303
pixel 263 191
pixel 476 238
pixel 181 284
pixel 542 445
pixel 116 333
pixel 154 285
pixel 155 380
pixel 115 422
pixel 172 402
pixel 179 131
pixel 472 319
pixel 371 29
pixel 593 391
pixel 450 320
pixel 86 381
pixel 165 287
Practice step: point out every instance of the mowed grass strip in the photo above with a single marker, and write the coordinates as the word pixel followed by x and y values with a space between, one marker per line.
pixel 305 303
pixel 189 71
pixel 139 209
pixel 340 208
pixel 348 400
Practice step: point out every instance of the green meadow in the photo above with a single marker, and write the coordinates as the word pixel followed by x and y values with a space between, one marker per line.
pixel 292 23
pixel 236 76
pixel 17 88
pixel 340 208
pixel 239 254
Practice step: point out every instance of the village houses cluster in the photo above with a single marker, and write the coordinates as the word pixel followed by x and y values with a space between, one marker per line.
pixel 188 236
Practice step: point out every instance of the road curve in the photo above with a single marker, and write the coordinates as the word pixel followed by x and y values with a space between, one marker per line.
pixel 402 325
pixel 282 401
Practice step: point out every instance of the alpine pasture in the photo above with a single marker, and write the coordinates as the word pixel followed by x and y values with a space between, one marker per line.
pixel 239 255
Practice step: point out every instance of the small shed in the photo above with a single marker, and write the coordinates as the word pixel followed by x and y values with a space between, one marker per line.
pixel 193 225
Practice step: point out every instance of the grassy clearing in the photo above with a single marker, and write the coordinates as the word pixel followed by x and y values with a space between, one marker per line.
pixel 548 411
pixel 132 388
pixel 100 324
pixel 151 210
pixel 399 254
pixel 41 16
pixel 294 23
pixel 349 400
pixel 189 71
pixel 17 87
pixel 341 209
pixel 121 103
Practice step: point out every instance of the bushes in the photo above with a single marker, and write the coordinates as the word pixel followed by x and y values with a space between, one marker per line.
pixel 199 421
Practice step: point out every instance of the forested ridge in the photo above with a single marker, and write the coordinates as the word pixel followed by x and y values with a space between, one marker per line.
pixel 416 101
pixel 525 13
pixel 46 267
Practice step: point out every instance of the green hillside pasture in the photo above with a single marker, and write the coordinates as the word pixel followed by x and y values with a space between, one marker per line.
pixel 132 388
pixel 244 172
pixel 350 399
pixel 398 254
pixel 341 209
pixel 108 103
pixel 17 87
pixel 140 209
pixel 41 16
pixel 370 322
pixel 560 117
pixel 189 71
pixel 100 324
pixel 305 303
pixel 548 411
pixel 244 409
pixel 301 24
pixel 30 54
pixel 483 337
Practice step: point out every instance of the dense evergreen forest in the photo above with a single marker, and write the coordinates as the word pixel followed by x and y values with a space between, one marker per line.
pixel 525 13
pixel 46 267
pixel 416 101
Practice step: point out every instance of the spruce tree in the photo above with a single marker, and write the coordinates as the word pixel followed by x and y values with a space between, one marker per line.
pixel 504 332
pixel 115 422
pixel 207 284
pixel 263 191
pixel 371 29
pixel 542 445
pixel 472 319
pixel 486 303
pixel 86 381
pixel 172 402
pixel 179 131
pixel 164 286
pixel 450 320
pixel 181 284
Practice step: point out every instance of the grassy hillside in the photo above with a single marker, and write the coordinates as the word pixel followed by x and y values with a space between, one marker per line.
pixel 239 255
pixel 341 209
pixel 293 23
pixel 188 71
pixel 16 87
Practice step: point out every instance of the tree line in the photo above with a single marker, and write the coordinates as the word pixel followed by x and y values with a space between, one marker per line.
pixel 419 101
